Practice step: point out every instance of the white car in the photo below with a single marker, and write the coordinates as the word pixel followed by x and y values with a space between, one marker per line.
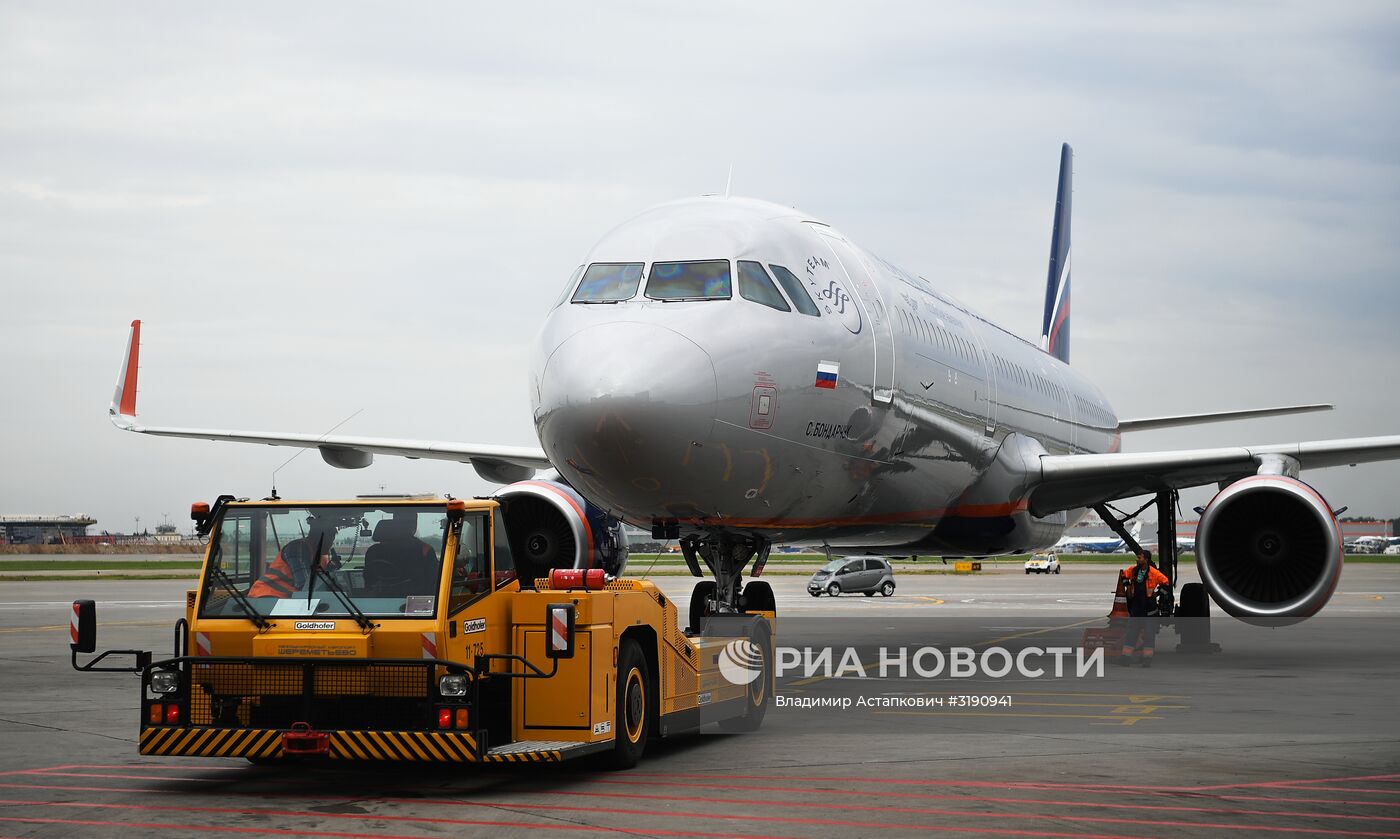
pixel 1393 550
pixel 1044 563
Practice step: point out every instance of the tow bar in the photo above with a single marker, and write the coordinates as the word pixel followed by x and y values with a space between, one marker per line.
pixel 301 741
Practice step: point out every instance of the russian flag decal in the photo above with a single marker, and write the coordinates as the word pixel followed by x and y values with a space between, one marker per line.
pixel 827 374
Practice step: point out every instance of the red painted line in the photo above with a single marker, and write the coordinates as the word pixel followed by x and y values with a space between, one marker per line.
pixel 1307 782
pixel 198 828
pixel 710 815
pixel 963 797
pixel 918 796
pixel 1345 789
pixel 157 767
pixel 652 831
pixel 37 771
pixel 193 829
pixel 1005 784
pixel 978 799
pixel 128 777
pixel 1306 800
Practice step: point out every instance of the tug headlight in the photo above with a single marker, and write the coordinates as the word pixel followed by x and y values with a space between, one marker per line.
pixel 453 684
pixel 165 681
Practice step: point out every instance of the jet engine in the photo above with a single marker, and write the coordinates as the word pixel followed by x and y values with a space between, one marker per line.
pixel 1268 546
pixel 549 525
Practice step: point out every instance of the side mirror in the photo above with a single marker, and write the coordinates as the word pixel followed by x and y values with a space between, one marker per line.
pixel 83 626
pixel 559 639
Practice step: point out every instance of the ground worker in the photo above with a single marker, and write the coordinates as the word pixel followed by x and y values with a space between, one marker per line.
pixel 1142 581
pixel 291 569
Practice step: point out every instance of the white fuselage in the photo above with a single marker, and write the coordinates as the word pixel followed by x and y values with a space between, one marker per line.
pixel 707 413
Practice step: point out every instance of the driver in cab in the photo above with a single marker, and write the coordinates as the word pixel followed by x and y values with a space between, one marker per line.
pixel 290 570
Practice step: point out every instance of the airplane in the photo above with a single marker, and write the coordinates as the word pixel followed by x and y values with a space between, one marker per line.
pixel 1097 544
pixel 734 373
pixel 1372 544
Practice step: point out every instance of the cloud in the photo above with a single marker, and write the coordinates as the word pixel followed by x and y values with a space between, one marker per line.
pixel 325 207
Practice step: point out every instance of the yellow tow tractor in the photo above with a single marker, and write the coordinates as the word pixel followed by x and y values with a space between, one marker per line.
pixel 422 629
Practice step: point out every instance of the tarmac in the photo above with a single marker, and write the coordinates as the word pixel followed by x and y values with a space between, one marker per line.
pixel 1288 731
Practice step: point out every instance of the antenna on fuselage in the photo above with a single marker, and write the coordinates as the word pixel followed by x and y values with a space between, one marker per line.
pixel 729 180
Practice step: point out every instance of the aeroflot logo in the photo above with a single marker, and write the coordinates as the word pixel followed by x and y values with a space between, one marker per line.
pixel 832 295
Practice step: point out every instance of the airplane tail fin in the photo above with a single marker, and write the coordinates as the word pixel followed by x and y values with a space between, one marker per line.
pixel 1054 332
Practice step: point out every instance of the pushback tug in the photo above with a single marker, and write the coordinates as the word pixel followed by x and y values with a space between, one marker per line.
pixel 415 630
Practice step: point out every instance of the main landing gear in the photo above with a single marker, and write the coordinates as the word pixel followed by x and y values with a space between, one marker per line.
pixel 726 556
pixel 1191 612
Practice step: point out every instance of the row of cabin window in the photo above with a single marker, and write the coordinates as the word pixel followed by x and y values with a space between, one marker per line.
pixel 1026 378
pixel 1094 412
pixel 1086 409
pixel 932 334
pixel 614 282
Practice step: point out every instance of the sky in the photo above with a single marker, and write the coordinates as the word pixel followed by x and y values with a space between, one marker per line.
pixel 324 211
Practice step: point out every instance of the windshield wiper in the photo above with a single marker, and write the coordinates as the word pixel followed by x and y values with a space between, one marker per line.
pixel 249 610
pixel 345 600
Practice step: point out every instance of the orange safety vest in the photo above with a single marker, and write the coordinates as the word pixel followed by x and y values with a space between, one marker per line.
pixel 1154 578
pixel 278 579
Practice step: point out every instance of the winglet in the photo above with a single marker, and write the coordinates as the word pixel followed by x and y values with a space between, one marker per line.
pixel 123 407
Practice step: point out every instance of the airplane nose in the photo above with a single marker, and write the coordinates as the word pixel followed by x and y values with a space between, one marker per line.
pixel 620 407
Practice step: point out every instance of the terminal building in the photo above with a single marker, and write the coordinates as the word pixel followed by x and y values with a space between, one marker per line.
pixel 44 530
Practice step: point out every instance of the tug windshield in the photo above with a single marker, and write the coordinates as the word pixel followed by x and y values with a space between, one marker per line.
pixel 304 561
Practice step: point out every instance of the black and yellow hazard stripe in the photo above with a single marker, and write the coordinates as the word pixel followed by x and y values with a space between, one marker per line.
pixel 443 747
pixel 538 756
pixel 211 742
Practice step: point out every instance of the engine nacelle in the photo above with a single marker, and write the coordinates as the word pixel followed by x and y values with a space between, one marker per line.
pixel 549 525
pixel 1268 546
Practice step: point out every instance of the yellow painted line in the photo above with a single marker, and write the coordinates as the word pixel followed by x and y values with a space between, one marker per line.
pixel 1132 697
pixel 57 627
pixel 1097 705
pixel 1036 632
pixel 1122 720
pixel 934 600
pixel 866 667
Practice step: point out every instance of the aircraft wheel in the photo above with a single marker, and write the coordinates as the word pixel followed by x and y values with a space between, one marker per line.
pixel 758 597
pixel 834 590
pixel 634 706
pixel 1194 602
pixel 756 704
pixel 699 604
pixel 887 589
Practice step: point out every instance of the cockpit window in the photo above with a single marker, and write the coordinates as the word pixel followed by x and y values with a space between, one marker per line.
pixel 754 285
pixel 794 289
pixel 609 282
pixel 707 280
pixel 568 287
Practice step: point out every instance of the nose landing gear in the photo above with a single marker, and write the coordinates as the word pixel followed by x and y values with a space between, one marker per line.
pixel 726 556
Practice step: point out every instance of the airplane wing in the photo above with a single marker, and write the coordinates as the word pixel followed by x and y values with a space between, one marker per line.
pixel 1081 480
pixel 1152 423
pixel 501 464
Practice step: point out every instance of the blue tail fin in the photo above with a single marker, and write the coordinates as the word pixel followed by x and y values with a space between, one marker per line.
pixel 1054 331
